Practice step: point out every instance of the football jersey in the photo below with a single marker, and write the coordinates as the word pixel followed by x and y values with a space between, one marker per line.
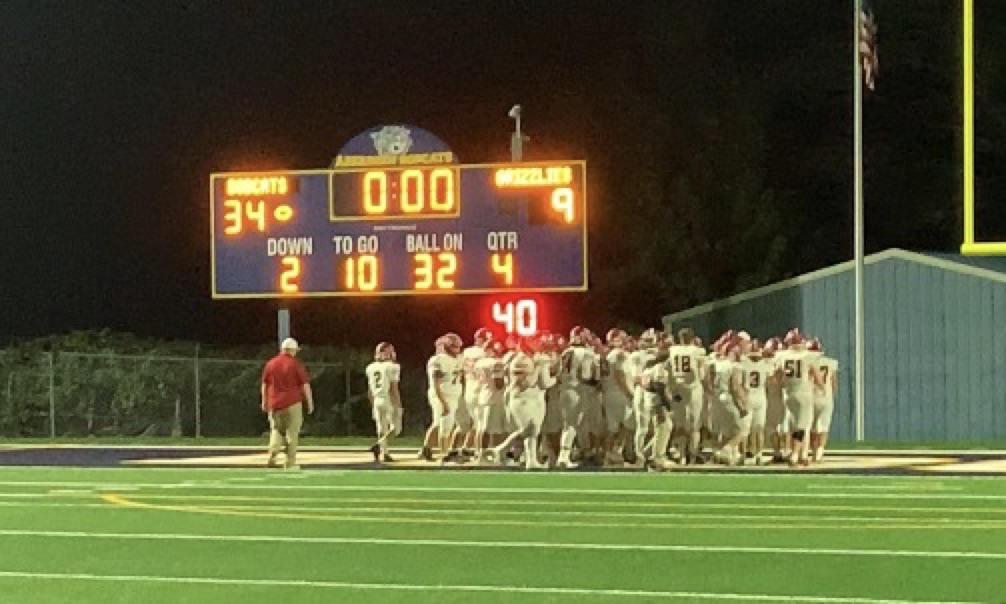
pixel 616 362
pixel 380 376
pixel 446 371
pixel 544 363
pixel 829 369
pixel 637 362
pixel 795 366
pixel 655 375
pixel 469 357
pixel 685 364
pixel 725 369
pixel 491 373
pixel 577 366
pixel 756 374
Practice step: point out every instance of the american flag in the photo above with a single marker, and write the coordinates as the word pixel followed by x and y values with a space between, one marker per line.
pixel 868 44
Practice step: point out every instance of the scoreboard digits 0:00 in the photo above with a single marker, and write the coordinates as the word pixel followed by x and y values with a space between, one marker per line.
pixel 400 230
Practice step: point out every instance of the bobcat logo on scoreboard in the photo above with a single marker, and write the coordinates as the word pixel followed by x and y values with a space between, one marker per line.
pixel 393 145
pixel 392 140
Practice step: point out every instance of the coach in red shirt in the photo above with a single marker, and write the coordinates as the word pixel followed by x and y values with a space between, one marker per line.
pixel 285 388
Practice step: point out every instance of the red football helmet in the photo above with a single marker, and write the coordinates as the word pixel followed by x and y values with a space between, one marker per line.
pixel 615 337
pixel 384 352
pixel 454 342
pixel 496 348
pixel 511 342
pixel 440 344
pixel 578 335
pixel 793 336
pixel 482 336
pixel 815 345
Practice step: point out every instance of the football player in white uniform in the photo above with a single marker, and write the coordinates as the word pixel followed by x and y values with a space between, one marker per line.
pixel 445 372
pixel 490 414
pixel 655 408
pixel 472 385
pixel 638 361
pixel 574 371
pixel 554 347
pixel 616 397
pixel 758 371
pixel 530 376
pixel 591 432
pixel 795 368
pixel 685 364
pixel 824 400
pixel 735 420
pixel 385 400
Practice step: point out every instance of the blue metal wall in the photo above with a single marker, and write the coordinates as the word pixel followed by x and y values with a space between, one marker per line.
pixel 935 344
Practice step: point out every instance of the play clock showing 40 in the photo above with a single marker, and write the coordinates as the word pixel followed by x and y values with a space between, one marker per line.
pixel 402 230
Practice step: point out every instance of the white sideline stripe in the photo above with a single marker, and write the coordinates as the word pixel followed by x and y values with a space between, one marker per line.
pixel 564 591
pixel 887 487
pixel 729 549
pixel 669 492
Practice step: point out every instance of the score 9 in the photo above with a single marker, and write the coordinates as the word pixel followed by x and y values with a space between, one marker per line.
pixel 415 188
pixel 563 201
pixel 520 318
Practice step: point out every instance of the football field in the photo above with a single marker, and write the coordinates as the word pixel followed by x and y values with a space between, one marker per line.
pixel 218 535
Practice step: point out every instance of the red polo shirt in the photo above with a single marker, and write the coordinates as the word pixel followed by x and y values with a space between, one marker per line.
pixel 284 377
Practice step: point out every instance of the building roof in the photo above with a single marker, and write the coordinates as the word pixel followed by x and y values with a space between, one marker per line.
pixel 990 268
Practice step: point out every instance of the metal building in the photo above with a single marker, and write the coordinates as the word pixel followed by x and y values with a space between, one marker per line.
pixel 935 348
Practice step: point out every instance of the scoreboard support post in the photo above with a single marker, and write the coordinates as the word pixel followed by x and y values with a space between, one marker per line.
pixel 282 325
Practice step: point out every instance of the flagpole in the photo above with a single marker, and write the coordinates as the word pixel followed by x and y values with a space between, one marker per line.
pixel 858 222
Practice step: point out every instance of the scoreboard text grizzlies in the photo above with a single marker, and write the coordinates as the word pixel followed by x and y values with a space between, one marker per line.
pixel 406 229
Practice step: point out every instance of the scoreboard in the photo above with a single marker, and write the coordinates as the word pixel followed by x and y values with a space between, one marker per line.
pixel 401 230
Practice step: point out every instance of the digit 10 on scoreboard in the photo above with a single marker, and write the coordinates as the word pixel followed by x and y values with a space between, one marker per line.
pixel 403 230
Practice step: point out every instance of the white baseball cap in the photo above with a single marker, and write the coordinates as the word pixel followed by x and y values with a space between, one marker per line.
pixel 289 344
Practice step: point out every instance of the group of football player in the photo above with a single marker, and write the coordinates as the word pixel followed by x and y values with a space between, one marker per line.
pixel 652 401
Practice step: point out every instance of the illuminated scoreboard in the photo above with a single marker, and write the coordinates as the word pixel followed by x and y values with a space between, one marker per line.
pixel 400 230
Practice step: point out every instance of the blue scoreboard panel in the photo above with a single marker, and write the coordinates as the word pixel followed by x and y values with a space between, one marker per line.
pixel 402 230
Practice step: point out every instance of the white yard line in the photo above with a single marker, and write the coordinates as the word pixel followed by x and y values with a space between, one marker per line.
pixel 725 549
pixel 507 589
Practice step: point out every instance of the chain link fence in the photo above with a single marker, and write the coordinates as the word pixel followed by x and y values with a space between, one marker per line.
pixel 78 394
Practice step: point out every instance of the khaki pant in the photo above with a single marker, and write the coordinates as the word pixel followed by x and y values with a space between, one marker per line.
pixel 284 430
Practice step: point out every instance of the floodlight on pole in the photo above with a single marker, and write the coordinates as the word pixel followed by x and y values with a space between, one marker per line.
pixel 517 139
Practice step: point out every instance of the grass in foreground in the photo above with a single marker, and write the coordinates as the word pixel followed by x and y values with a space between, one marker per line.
pixel 131 535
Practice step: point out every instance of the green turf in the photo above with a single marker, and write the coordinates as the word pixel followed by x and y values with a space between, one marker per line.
pixel 394 536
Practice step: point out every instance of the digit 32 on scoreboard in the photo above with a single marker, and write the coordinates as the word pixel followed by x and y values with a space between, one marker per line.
pixel 402 230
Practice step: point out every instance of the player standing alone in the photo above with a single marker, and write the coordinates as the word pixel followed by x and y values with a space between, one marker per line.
pixel 383 375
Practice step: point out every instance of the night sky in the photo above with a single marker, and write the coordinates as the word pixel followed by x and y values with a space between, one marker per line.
pixel 115 113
